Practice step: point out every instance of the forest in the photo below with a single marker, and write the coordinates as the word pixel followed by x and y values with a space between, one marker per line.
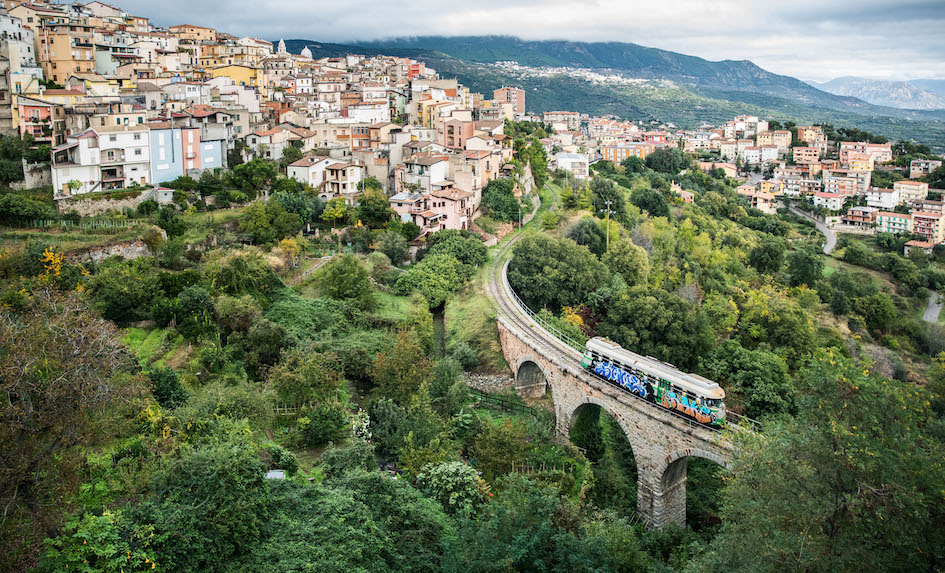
pixel 284 384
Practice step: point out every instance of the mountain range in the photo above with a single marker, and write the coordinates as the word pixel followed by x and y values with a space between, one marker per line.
pixel 678 88
pixel 913 94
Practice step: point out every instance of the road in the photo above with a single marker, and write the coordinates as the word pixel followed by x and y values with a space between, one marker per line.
pixel 831 236
pixel 934 309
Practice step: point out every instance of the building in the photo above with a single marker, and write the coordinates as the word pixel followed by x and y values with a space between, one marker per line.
pixel 514 96
pixel 570 119
pixel 102 158
pixel 811 134
pixel 342 180
pixel 931 226
pixel 896 223
pixel 804 155
pixel 831 201
pixel 846 186
pixel 66 49
pixel 617 152
pixel 921 167
pixel 860 216
pixel 925 246
pixel 311 170
pixel 780 138
pixel 885 199
pixel 193 33
pixel 178 151
pixel 449 208
pixel 574 163
pixel 911 191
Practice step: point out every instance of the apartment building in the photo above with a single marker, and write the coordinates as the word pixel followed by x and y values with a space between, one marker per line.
pixel 514 96
pixel 449 208
pixel 896 223
pixel 845 186
pixel 806 155
pixel 860 216
pixel 911 191
pixel 780 138
pixel 570 119
pixel 930 226
pixel 102 158
pixel 342 180
pixel 65 49
pixel 573 163
pixel 885 199
pixel 178 151
pixel 831 201
pixel 311 170
pixel 811 134
pixel 921 167
pixel 619 151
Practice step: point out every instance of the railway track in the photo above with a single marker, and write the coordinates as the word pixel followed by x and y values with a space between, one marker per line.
pixel 555 347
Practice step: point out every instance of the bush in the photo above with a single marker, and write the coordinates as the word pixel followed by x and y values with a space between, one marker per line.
pixel 324 424
pixel 465 355
pixel 166 387
pixel 283 459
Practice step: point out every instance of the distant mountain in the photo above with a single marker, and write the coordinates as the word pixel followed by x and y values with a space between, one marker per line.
pixel 935 86
pixel 700 90
pixel 903 95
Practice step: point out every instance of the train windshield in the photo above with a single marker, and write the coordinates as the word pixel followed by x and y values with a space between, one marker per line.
pixel 713 403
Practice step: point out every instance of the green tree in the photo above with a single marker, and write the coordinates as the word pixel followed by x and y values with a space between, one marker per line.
pixel 374 209
pixel 304 375
pixel 805 267
pixel 653 202
pixel 605 190
pixel 757 378
pixel 553 273
pixel 588 233
pixel 345 278
pixel 669 160
pixel 254 176
pixel 768 256
pixel 336 211
pixel 499 201
pixel 628 260
pixel 400 371
pixel 394 245
pixel 657 323
pixel 852 483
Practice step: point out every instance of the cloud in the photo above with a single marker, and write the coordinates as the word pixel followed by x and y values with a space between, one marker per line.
pixel 810 39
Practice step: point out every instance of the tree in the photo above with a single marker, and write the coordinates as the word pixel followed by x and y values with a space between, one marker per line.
pixel 454 484
pixel 628 260
pixel 304 375
pixel 653 202
pixel 345 278
pixel 335 211
pixel 290 155
pixel 853 483
pixel 400 371
pixel 805 267
pixel 553 273
pixel 669 160
pixel 605 190
pixel 393 244
pixel 374 209
pixel 370 184
pixel 856 253
pixel 435 277
pixel 634 164
pixel 499 201
pixel 462 245
pixel 588 233
pixel 757 378
pixel 768 256
pixel 254 176
pixel 123 291
pixel 67 380
pixel 657 323
pixel 269 222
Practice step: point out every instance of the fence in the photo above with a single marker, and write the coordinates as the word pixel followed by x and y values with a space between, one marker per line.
pixel 104 225
pixel 499 402
pixel 537 318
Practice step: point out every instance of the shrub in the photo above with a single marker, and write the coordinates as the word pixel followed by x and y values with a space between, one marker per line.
pixel 324 424
pixel 283 459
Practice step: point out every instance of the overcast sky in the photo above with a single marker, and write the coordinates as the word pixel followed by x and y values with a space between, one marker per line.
pixel 809 39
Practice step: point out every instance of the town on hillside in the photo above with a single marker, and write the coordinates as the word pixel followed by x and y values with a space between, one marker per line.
pixel 123 104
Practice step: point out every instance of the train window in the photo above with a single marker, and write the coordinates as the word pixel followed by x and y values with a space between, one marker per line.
pixel 712 403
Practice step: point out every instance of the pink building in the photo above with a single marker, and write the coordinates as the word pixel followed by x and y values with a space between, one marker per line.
pixel 440 209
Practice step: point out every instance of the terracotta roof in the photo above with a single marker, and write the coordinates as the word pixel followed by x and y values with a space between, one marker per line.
pixel 64 93
pixel 452 193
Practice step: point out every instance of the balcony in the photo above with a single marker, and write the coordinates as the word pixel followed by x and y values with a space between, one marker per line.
pixel 112 159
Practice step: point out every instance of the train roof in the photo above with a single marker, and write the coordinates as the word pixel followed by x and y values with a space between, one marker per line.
pixel 693 382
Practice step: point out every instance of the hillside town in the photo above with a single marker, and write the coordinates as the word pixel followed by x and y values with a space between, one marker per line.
pixel 124 104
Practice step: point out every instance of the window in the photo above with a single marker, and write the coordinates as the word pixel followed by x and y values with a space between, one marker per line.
pixel 112 138
pixel 138 135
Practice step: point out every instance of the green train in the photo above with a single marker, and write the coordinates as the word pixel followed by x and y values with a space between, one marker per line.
pixel 658 382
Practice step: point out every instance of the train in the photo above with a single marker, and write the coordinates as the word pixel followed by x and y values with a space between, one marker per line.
pixel 658 382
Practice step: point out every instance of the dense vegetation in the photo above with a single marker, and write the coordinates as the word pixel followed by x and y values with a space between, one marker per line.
pixel 146 399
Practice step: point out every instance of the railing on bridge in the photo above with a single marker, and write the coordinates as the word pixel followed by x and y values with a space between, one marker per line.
pixel 537 318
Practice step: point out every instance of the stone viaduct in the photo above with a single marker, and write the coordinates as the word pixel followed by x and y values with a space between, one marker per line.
pixel 662 441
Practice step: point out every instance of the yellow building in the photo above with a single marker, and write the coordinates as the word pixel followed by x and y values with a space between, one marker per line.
pixel 193 33
pixel 241 75
pixel 66 49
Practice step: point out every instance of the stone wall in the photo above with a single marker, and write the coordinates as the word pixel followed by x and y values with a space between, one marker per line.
pixel 34 175
pixel 127 250
pixel 89 207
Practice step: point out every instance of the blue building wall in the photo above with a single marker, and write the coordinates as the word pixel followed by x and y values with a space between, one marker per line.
pixel 211 154
pixel 167 157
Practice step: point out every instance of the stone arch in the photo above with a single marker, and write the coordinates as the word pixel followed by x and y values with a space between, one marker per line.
pixel 635 446
pixel 673 481
pixel 531 380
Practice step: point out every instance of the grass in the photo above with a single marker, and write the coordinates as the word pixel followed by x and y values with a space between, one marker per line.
pixel 392 307
pixel 155 348
pixel 471 319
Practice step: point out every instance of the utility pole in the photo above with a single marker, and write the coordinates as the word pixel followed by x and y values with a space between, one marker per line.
pixel 608 225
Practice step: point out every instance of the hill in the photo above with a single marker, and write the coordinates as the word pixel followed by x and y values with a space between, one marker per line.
pixel 905 95
pixel 677 88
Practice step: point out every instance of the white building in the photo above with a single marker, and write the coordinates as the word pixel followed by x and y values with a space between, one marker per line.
pixel 574 163
pixel 832 201
pixel 102 158
pixel 885 199
pixel 311 170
